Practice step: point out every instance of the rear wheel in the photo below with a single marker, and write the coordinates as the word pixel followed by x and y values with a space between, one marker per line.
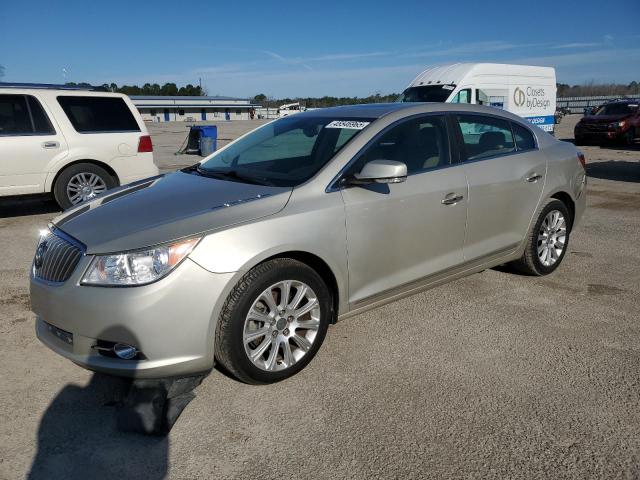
pixel 273 322
pixel 548 240
pixel 80 182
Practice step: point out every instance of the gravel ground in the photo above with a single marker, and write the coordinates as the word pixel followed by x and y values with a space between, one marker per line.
pixel 492 376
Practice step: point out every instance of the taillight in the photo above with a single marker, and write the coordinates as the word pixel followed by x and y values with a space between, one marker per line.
pixel 145 145
pixel 582 160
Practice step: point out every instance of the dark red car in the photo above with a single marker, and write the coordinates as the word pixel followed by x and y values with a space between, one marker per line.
pixel 613 121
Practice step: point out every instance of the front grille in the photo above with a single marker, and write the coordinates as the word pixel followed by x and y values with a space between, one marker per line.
pixel 597 127
pixel 56 258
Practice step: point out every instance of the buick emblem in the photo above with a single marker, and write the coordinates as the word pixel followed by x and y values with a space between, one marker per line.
pixel 40 251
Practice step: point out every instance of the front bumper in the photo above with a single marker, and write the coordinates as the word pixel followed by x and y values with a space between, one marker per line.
pixel 171 322
pixel 604 135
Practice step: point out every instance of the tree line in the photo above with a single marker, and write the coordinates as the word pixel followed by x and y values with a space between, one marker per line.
pixel 592 89
pixel 321 102
pixel 166 90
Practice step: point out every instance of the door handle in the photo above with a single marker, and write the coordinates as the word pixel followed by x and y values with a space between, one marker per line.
pixel 534 177
pixel 451 199
pixel 50 144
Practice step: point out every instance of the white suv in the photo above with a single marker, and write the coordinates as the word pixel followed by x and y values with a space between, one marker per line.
pixel 73 142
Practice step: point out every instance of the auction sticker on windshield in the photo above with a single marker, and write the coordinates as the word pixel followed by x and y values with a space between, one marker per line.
pixel 351 125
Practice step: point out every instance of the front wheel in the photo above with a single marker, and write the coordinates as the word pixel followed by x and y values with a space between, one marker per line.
pixel 273 322
pixel 547 241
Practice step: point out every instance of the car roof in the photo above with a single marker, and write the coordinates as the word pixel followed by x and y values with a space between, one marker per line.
pixel 379 110
pixel 367 110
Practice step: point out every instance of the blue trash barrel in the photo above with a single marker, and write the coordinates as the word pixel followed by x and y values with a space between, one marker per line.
pixel 208 132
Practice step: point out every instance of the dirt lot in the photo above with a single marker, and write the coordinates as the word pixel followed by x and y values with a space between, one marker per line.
pixel 492 376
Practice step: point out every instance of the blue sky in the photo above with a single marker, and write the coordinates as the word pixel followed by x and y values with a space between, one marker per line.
pixel 304 48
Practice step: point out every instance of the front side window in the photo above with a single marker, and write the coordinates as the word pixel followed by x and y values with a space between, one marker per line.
pixel 286 152
pixel 463 96
pixel 98 114
pixel 485 136
pixel 421 144
pixel 23 115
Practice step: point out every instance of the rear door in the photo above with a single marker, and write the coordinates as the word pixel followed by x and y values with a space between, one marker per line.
pixel 506 174
pixel 400 233
pixel 29 143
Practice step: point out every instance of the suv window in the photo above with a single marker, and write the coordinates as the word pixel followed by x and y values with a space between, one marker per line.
pixel 19 118
pixel 41 123
pixel 485 136
pixel 524 138
pixel 421 143
pixel 98 114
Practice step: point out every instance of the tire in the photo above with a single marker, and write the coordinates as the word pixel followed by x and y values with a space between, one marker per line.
pixel 235 324
pixel 630 137
pixel 71 177
pixel 531 263
pixel 579 140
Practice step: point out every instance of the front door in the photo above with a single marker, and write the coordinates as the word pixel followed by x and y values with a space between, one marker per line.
pixel 506 176
pixel 401 233
pixel 166 114
pixel 29 145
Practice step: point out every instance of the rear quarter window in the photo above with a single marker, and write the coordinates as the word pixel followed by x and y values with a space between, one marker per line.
pixel 98 114
pixel 524 138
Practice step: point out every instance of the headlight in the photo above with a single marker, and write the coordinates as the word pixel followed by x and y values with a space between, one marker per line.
pixel 138 267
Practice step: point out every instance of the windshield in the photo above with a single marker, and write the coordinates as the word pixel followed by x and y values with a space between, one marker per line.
pixel 429 93
pixel 286 152
pixel 617 109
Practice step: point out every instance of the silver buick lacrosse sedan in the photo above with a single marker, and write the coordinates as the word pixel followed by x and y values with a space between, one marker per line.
pixel 246 258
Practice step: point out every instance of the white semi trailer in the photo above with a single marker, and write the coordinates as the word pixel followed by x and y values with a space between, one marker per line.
pixel 527 91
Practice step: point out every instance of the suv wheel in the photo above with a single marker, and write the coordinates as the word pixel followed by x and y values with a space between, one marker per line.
pixel 273 322
pixel 547 241
pixel 630 137
pixel 80 182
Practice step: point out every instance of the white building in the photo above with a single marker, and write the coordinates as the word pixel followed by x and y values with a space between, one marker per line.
pixel 193 109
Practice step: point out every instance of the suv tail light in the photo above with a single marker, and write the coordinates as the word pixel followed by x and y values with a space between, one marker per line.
pixel 145 145
pixel 582 160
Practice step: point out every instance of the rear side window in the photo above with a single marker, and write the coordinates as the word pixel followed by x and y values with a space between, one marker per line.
pixel 524 138
pixel 23 115
pixel 485 137
pixel 41 123
pixel 98 114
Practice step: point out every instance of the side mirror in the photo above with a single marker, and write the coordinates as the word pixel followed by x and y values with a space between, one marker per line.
pixel 380 171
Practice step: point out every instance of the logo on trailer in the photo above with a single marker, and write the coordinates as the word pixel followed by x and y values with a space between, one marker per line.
pixel 518 97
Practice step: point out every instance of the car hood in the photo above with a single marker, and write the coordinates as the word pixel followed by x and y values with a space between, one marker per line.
pixel 166 208
pixel 598 119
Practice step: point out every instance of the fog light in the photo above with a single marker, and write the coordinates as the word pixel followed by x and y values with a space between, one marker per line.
pixel 126 352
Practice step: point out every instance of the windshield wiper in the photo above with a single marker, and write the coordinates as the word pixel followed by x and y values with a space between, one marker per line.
pixel 233 174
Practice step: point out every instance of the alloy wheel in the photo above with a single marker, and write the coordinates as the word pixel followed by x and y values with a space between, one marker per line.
pixel 552 237
pixel 282 325
pixel 84 186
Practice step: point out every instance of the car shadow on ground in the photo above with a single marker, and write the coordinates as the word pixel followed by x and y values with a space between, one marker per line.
pixel 78 437
pixel 27 205
pixel 620 171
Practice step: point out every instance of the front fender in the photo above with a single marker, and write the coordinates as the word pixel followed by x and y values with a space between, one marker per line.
pixel 320 232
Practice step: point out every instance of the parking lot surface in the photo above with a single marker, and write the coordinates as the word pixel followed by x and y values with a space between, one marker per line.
pixel 493 376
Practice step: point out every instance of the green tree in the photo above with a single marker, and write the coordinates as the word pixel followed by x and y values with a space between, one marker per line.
pixel 169 89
